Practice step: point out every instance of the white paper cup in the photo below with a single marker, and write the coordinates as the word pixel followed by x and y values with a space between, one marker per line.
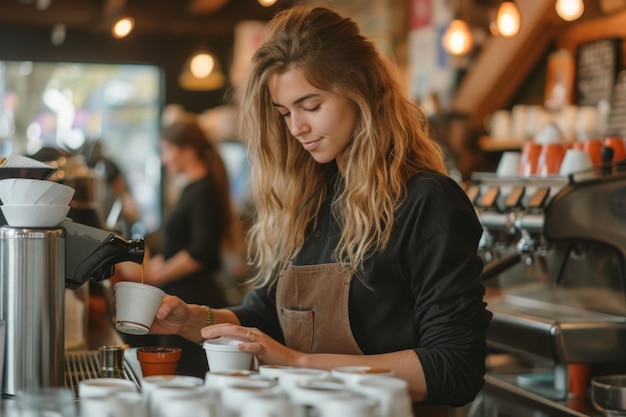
pixel 353 406
pixel 272 406
pixel 220 379
pixel 273 371
pixel 223 355
pixel 576 160
pixel 151 383
pixel 351 375
pixel 233 397
pixel 164 394
pixel 509 164
pixel 290 378
pixel 391 393
pixel 136 305
pixel 100 387
pixel 315 392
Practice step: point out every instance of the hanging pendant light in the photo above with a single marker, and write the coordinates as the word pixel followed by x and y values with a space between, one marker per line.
pixel 508 19
pixel 202 72
pixel 569 10
pixel 123 27
pixel 458 38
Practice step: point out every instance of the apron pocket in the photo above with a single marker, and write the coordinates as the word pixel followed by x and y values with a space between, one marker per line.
pixel 298 325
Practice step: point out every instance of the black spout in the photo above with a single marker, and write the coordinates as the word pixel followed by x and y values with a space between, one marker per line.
pixel 92 253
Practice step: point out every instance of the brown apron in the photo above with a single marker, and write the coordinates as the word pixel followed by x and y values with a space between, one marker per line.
pixel 312 305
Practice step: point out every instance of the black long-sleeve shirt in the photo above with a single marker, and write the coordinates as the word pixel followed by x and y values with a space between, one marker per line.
pixel 423 292
pixel 195 225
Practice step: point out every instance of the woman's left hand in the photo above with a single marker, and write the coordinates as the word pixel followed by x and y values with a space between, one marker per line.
pixel 267 350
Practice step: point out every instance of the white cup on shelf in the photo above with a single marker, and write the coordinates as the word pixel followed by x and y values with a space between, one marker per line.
pixel 509 164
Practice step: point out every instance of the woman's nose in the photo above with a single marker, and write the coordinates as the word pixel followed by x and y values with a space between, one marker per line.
pixel 298 126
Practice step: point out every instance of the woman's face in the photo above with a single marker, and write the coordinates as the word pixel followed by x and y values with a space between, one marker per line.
pixel 322 121
pixel 172 157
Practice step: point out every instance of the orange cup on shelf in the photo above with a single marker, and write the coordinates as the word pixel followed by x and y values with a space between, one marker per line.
pixel 550 159
pixel 578 379
pixel 594 149
pixel 529 158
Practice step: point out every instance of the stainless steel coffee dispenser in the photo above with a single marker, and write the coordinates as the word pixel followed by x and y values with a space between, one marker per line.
pixel 36 265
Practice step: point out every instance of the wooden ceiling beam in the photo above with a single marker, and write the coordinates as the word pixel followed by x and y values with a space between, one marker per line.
pixel 503 64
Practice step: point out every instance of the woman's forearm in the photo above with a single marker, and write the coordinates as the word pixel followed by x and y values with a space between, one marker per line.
pixel 405 365
pixel 197 320
pixel 176 267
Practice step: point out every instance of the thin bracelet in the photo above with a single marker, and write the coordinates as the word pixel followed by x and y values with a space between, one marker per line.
pixel 210 320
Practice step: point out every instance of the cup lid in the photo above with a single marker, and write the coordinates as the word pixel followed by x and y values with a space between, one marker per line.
pixel 221 343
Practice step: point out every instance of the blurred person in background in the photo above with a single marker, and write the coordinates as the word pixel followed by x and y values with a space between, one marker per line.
pixel 197 231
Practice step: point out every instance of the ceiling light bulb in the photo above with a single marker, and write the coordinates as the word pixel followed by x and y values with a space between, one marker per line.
pixel 458 39
pixel 123 27
pixel 267 3
pixel 569 9
pixel 508 19
pixel 201 65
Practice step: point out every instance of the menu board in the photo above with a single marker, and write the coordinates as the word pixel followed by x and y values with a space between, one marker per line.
pixel 596 71
pixel 616 125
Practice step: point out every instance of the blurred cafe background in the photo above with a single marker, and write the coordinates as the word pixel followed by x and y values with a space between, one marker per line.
pixel 526 97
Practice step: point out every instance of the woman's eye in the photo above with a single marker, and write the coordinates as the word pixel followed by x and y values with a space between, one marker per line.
pixel 315 108
pixel 285 115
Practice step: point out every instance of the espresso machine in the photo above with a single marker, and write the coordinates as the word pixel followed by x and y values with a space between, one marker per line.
pixel 554 250
pixel 36 267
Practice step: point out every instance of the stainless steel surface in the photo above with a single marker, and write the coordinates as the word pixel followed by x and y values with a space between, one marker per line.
pixel 111 360
pixel 559 325
pixel 608 394
pixel 32 271
pixel 82 365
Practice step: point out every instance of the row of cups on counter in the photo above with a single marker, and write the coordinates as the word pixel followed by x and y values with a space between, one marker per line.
pixel 528 121
pixel 536 159
pixel 272 391
pixel 34 202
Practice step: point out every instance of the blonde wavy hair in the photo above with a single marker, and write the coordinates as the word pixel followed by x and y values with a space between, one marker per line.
pixel 391 142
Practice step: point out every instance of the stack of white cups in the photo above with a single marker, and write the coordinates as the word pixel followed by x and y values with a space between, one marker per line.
pixel 359 391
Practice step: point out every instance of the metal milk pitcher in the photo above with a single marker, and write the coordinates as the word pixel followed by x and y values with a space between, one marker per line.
pixel 32 302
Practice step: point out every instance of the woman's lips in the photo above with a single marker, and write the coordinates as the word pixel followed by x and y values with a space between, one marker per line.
pixel 309 146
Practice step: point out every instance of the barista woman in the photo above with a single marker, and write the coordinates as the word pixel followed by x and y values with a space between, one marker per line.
pixel 364 249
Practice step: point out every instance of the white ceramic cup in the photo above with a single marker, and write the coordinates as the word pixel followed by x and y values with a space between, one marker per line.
pixel 351 375
pixel 233 397
pixel 150 383
pixel 136 305
pixel 509 165
pixel 577 160
pixel 130 404
pixel 391 393
pixel 98 387
pixel 166 398
pixel 291 377
pixel 353 406
pixel 498 124
pixel 220 379
pixel 315 393
pixel 102 406
pixel 272 406
pixel 273 371
pixel 223 355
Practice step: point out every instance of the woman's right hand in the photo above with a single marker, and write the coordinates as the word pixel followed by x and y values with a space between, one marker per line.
pixel 172 314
